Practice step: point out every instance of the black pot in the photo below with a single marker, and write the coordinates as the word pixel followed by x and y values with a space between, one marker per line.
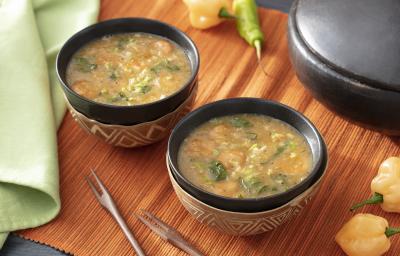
pixel 255 106
pixel 347 54
pixel 127 115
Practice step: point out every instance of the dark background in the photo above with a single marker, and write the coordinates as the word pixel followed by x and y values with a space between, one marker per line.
pixel 16 246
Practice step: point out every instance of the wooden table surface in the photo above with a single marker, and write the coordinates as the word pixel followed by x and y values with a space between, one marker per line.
pixel 138 178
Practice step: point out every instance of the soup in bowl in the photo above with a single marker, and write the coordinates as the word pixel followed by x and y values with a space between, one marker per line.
pixel 245 154
pixel 128 71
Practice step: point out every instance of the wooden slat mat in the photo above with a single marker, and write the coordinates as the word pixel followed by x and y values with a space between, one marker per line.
pixel 138 178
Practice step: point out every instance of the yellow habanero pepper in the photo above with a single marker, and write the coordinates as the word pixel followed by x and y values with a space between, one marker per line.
pixel 365 235
pixel 386 187
pixel 206 13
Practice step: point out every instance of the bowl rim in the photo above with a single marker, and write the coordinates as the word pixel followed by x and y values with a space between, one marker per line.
pixel 299 197
pixel 77 35
pixel 316 163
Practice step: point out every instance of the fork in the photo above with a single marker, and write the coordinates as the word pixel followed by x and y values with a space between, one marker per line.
pixel 167 233
pixel 108 203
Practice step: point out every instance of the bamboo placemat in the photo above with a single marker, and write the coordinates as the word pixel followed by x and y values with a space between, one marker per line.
pixel 138 178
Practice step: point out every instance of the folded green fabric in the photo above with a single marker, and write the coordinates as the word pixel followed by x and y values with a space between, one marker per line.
pixel 32 105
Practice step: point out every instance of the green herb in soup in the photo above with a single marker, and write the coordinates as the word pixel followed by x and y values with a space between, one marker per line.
pixel 128 69
pixel 245 156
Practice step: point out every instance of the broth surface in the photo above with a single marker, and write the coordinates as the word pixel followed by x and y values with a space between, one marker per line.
pixel 245 156
pixel 128 69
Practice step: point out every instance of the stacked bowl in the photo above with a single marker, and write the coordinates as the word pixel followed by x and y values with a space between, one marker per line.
pixel 136 125
pixel 246 216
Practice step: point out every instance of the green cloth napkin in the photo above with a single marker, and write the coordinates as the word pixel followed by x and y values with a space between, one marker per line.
pixel 32 105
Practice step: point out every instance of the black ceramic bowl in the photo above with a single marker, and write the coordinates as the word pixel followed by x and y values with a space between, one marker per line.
pixel 127 115
pixel 255 106
pixel 347 54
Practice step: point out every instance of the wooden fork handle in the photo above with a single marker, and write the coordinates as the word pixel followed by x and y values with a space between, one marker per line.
pixel 186 246
pixel 127 232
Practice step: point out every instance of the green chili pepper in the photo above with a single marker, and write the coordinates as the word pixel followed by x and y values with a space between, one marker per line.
pixel 248 24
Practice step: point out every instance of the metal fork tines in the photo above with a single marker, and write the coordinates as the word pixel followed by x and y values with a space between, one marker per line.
pixel 108 203
pixel 167 233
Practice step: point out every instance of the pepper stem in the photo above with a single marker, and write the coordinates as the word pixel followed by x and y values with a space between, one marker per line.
pixel 392 231
pixel 257 45
pixel 375 199
pixel 224 13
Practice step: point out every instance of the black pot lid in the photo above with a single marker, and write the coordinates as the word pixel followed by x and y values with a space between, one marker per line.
pixel 360 38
